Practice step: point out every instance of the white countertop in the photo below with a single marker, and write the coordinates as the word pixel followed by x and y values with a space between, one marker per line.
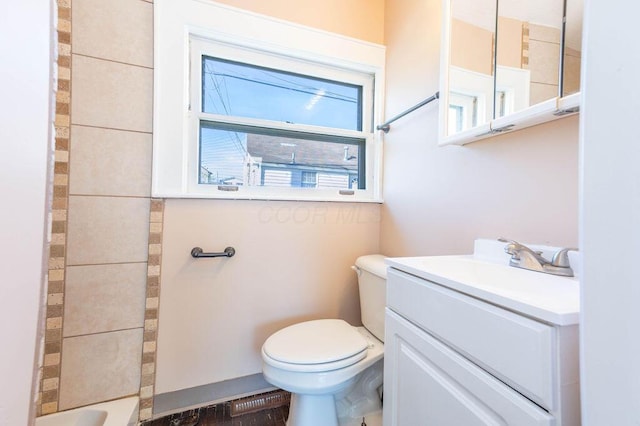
pixel 545 297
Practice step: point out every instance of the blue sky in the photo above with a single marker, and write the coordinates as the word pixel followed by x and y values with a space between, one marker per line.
pixel 245 91
pixel 240 90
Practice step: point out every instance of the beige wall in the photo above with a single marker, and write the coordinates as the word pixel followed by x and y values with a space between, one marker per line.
pixel 438 199
pixel 293 259
pixel 287 267
pixel 362 19
pixel 571 79
pixel 108 258
pixel 292 263
pixel 471 47
pixel 509 42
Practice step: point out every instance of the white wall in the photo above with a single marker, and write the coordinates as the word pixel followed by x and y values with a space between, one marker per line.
pixel 25 132
pixel 610 216
pixel 522 185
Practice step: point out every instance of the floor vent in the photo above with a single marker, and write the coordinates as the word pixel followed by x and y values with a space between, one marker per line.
pixel 260 402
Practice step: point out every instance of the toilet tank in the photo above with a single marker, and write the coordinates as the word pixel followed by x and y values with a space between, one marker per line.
pixel 372 283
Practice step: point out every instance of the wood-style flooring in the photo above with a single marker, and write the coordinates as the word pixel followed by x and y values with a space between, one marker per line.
pixel 220 415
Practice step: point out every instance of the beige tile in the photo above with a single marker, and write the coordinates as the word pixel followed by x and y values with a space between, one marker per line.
pixel 146 413
pixel 110 94
pixel 541 92
pixel 120 30
pixel 107 230
pixel 110 162
pixel 544 60
pixel 102 298
pixel 571 74
pixel 100 367
pixel 49 408
pixel 572 52
pixel 544 33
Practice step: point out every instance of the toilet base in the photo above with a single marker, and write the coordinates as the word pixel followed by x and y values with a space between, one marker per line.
pixel 359 398
pixel 371 419
pixel 312 410
pixel 363 397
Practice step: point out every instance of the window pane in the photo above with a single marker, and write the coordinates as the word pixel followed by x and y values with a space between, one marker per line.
pixel 246 156
pixel 309 179
pixel 241 90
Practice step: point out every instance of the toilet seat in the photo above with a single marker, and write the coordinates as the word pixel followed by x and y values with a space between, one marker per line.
pixel 314 346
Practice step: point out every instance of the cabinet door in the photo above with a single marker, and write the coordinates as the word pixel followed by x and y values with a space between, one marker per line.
pixel 427 383
pixel 517 350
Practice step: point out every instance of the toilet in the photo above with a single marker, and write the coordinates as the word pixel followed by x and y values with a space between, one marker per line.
pixel 333 369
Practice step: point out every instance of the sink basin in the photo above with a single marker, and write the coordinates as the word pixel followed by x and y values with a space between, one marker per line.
pixel 548 298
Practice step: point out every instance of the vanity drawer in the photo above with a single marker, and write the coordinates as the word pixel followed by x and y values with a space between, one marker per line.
pixel 513 348
pixel 427 383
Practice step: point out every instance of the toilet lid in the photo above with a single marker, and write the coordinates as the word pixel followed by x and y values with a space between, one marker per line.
pixel 316 342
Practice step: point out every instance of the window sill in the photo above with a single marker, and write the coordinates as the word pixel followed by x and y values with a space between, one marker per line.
pixel 222 195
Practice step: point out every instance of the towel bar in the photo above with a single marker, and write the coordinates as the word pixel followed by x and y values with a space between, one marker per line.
pixel 197 252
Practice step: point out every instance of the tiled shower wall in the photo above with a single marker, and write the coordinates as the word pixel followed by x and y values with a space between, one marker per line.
pixel 543 48
pixel 101 303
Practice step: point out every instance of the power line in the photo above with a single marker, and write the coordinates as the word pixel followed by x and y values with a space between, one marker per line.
pixel 314 93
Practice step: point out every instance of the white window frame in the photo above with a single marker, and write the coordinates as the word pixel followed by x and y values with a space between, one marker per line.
pixel 187 29
pixel 470 104
pixel 515 83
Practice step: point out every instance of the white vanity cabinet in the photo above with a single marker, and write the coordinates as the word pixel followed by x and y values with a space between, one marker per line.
pixel 455 358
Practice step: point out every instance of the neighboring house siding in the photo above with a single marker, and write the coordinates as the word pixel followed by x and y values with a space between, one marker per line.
pixel 331 180
pixel 272 177
pixel 291 176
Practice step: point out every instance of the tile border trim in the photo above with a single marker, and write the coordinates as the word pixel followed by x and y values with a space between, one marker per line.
pixel 48 393
pixel 148 369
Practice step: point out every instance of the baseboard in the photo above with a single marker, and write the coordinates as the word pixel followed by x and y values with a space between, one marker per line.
pixel 187 399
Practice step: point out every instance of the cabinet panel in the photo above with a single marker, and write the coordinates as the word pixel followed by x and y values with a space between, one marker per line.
pixel 506 64
pixel 513 348
pixel 426 383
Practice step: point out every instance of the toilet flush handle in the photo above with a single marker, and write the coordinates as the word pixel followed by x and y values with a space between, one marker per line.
pixel 358 270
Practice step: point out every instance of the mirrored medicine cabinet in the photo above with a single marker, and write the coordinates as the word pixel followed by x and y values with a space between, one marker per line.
pixel 507 65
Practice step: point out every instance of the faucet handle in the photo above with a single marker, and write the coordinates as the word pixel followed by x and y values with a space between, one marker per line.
pixel 561 257
pixel 510 243
pixel 506 240
pixel 511 247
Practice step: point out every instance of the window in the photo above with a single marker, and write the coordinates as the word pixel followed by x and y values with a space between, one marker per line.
pixel 237 155
pixel 246 155
pixel 463 112
pixel 251 107
pixel 244 90
pixel 309 179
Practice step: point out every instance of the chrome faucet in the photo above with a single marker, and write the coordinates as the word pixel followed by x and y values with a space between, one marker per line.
pixel 525 258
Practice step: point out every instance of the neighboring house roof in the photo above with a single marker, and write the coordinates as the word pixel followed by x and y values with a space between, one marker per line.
pixel 302 152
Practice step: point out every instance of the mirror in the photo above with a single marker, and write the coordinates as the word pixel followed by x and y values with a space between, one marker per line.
pixel 471 63
pixel 528 53
pixel 572 48
pixel 507 65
